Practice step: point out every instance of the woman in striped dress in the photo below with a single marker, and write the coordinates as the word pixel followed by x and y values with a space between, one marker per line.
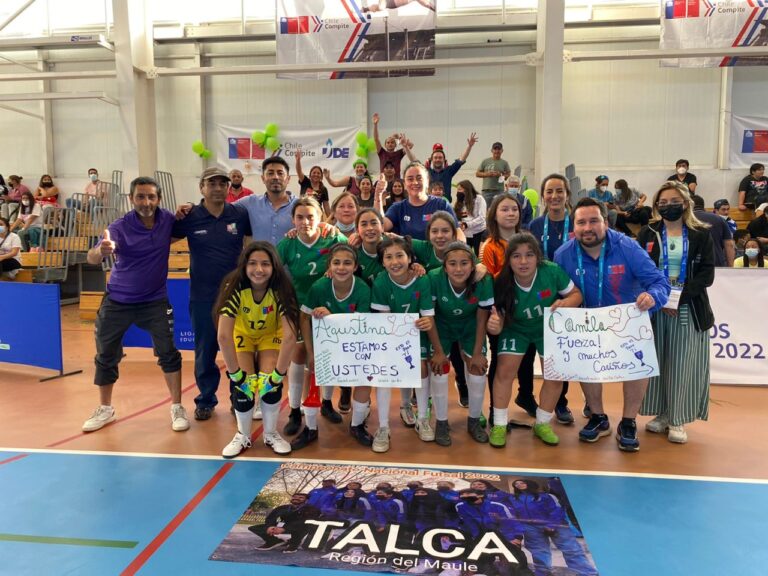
pixel 681 246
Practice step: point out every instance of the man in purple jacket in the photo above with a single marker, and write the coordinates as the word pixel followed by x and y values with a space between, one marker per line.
pixel 136 294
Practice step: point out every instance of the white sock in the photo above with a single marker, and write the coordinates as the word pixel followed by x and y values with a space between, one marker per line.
pixel 327 392
pixel 383 398
pixel 295 384
pixel 543 417
pixel 405 396
pixel 476 389
pixel 244 420
pixel 310 415
pixel 359 410
pixel 269 414
pixel 422 397
pixel 439 388
pixel 500 416
pixel 176 405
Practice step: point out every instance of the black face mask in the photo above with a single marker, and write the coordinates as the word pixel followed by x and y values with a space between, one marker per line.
pixel 47 184
pixel 460 196
pixel 671 212
pixel 236 186
pixel 471 500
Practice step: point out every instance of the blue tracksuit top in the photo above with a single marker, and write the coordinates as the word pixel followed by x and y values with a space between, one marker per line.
pixel 390 511
pixel 540 509
pixel 628 272
pixel 323 498
pixel 357 508
pixel 489 516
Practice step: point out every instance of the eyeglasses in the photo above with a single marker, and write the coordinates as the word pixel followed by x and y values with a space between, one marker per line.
pixel 664 203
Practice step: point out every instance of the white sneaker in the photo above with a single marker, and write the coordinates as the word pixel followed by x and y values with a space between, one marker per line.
pixel 102 416
pixel 257 413
pixel 658 425
pixel 239 443
pixel 677 434
pixel 179 420
pixel 381 440
pixel 424 430
pixel 278 444
pixel 406 415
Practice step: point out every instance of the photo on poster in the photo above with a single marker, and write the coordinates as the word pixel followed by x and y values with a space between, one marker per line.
pixel 401 520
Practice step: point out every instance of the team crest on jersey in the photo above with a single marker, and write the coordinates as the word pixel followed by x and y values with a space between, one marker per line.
pixel 352 307
pixel 267 309
pixel 246 310
pixel 444 299
pixel 232 228
pixel 545 294
pixel 649 247
pixel 416 295
pixel 323 251
pixel 426 217
pixel 472 300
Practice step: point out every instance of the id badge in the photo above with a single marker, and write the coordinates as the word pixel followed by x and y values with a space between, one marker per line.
pixel 501 179
pixel 674 299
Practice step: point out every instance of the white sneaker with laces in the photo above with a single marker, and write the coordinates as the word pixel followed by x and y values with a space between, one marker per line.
pixel 278 444
pixel 406 415
pixel 257 412
pixel 424 430
pixel 102 416
pixel 677 434
pixel 239 443
pixel 381 440
pixel 658 425
pixel 179 420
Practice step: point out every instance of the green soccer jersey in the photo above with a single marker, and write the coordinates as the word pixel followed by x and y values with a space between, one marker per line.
pixel 368 266
pixel 322 293
pixel 415 297
pixel 550 282
pixel 454 310
pixel 306 264
pixel 425 254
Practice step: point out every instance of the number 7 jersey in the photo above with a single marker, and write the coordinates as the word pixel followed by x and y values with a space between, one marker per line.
pixel 415 297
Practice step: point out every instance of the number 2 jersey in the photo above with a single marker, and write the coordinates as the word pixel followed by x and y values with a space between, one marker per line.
pixel 306 263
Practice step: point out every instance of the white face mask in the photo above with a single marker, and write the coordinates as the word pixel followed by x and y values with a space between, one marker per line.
pixel 93 177
pixel 751 252
pixel 682 171
pixel 603 189
pixel 513 190
pixel 25 202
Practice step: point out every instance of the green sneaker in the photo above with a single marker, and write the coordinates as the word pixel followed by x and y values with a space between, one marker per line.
pixel 483 421
pixel 546 434
pixel 498 436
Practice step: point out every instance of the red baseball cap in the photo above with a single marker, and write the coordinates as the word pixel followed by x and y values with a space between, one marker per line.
pixel 437 147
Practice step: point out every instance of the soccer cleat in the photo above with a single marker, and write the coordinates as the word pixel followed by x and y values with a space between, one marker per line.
pixel 305 437
pixel 658 425
pixel 361 434
pixel 477 430
pixel 179 420
pixel 527 403
pixel 381 440
pixel 498 436
pixel 626 436
pixel 345 400
pixel 102 416
pixel 406 415
pixel 239 443
pixel 545 433
pixel 677 434
pixel 564 415
pixel 326 409
pixel 278 444
pixel 424 430
pixel 597 427
pixel 442 433
pixel 294 422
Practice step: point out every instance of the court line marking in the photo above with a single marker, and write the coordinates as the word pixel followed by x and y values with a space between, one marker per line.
pixel 67 541
pixel 380 464
pixel 13 458
pixel 169 529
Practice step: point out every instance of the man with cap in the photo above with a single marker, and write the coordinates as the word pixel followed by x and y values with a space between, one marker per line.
pixel 438 171
pixel 722 238
pixel 494 171
pixel 236 188
pixel 215 230
pixel 723 209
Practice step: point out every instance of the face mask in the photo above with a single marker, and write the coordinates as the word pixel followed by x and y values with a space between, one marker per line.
pixel 460 196
pixel 672 212
pixel 25 202
pixel 47 184
pixel 93 177
pixel 514 190
pixel 345 227
pixel 2 229
pixel 470 500
pixel 603 189
pixel 682 171
pixel 751 252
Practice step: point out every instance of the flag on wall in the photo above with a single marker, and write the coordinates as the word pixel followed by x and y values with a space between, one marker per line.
pixel 749 141
pixel 328 31
pixel 711 24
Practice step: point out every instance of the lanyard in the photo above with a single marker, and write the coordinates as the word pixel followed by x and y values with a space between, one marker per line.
pixel 600 272
pixel 545 235
pixel 665 255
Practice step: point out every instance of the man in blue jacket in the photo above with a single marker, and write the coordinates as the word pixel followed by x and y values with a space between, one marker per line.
pixel 611 268
pixel 324 498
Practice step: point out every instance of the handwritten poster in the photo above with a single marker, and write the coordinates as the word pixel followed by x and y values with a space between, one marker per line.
pixel 380 350
pixel 609 344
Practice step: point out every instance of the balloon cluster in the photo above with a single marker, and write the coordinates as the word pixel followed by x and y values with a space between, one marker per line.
pixel 533 197
pixel 365 145
pixel 199 148
pixel 267 138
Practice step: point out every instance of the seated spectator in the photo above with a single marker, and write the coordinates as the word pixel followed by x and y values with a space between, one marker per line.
pixel 3 186
pixel 93 190
pixel 603 194
pixel 47 193
pixel 629 207
pixel 723 209
pixel 513 186
pixel 740 237
pixel 471 210
pixel 29 224
pixel 396 194
pixel 350 183
pixel 753 189
pixel 752 258
pixel 725 248
pixel 10 247
pixel 758 230
pixel 236 189
pixel 436 189
pixel 11 202
pixel 343 213
pixel 760 210
pixel 682 175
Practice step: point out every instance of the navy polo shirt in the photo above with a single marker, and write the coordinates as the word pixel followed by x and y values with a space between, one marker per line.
pixel 446 176
pixel 410 220
pixel 215 245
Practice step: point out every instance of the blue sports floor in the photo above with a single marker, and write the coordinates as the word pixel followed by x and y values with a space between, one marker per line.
pixel 102 514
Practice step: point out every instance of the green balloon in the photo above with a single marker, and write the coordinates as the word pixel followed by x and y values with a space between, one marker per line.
pixel 271 129
pixel 198 146
pixel 259 137
pixel 272 144
pixel 362 138
pixel 371 145
pixel 533 197
pixel 206 154
pixel 362 152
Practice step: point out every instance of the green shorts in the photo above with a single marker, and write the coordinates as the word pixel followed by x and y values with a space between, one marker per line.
pixel 513 341
pixel 425 345
pixel 464 335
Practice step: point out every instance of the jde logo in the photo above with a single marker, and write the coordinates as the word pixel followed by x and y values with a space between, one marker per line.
pixel 330 152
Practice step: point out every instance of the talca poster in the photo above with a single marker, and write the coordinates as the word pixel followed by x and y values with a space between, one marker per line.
pixel 329 31
pixel 709 24
pixel 373 519
pixel 609 344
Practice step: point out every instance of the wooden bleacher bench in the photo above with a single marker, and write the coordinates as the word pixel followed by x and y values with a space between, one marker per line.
pixel 741 217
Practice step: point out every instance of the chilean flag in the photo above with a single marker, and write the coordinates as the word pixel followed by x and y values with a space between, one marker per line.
pixel 295 25
pixel 545 294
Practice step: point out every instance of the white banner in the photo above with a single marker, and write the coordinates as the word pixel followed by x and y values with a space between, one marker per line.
pixel 609 344
pixel 332 148
pixel 380 350
pixel 713 24
pixel 749 141
pixel 328 31
pixel 739 339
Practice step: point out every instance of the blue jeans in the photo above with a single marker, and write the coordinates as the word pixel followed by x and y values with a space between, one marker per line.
pixel 207 373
